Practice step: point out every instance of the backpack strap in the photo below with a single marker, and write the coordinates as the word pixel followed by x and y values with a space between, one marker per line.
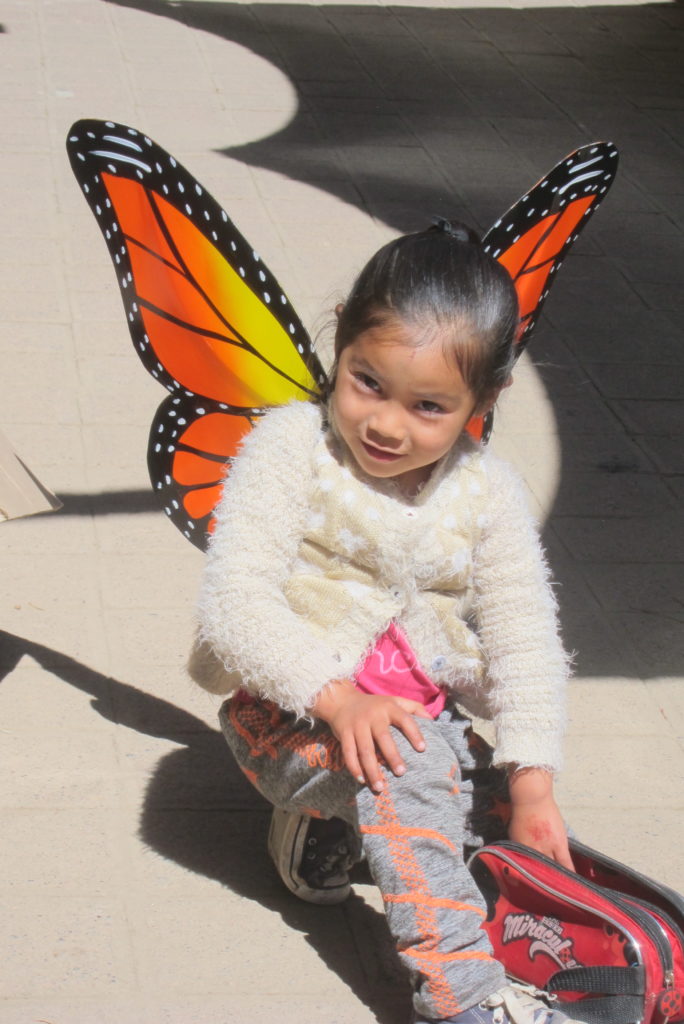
pixel 622 991
pixel 609 1010
pixel 628 981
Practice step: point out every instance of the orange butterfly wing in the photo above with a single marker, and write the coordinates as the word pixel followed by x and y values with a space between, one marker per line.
pixel 207 317
pixel 533 238
pixel 196 440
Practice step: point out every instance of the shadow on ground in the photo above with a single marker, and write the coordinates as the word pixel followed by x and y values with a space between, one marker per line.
pixel 106 503
pixel 200 812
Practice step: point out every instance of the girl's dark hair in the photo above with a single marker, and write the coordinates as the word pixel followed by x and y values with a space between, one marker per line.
pixel 441 281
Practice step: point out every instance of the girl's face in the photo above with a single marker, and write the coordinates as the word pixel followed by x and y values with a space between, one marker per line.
pixel 399 406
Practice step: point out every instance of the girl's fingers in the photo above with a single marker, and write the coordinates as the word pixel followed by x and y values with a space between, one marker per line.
pixel 388 749
pixel 562 855
pixel 351 759
pixel 366 740
pixel 411 731
pixel 413 707
pixel 366 750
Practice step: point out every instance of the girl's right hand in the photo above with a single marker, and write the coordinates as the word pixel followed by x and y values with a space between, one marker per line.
pixel 361 722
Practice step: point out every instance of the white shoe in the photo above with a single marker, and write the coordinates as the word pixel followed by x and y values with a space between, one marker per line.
pixel 313 856
pixel 513 1004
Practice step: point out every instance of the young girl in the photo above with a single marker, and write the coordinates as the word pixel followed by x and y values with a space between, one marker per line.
pixel 373 571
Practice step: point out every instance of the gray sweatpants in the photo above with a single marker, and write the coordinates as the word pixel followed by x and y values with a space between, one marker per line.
pixel 415 834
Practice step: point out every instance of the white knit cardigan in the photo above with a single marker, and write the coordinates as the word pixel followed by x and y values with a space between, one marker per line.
pixel 311 560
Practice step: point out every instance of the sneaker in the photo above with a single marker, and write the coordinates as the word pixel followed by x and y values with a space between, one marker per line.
pixel 513 1004
pixel 313 856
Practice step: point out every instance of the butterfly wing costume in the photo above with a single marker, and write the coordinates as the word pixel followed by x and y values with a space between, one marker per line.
pixel 211 323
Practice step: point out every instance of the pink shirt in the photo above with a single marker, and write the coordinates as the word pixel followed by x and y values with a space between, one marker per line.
pixel 393 668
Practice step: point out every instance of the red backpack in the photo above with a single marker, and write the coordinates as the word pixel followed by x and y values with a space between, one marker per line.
pixel 607 941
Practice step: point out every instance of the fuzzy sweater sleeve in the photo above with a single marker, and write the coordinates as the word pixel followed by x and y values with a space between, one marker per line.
pixel 244 616
pixel 516 616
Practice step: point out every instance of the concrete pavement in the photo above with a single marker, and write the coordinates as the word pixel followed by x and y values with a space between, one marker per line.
pixel 135 883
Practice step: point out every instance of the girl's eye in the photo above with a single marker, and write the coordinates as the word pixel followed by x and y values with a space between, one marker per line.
pixel 367 382
pixel 431 407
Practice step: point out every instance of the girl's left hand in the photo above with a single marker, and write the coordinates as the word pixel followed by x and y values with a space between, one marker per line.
pixel 536 819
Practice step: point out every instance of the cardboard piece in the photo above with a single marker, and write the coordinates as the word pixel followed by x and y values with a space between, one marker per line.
pixel 21 493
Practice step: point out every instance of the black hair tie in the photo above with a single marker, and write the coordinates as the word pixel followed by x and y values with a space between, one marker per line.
pixel 459 232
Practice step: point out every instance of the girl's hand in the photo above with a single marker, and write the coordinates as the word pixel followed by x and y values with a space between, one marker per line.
pixel 361 722
pixel 536 820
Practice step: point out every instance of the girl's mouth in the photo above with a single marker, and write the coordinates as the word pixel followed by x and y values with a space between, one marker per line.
pixel 380 454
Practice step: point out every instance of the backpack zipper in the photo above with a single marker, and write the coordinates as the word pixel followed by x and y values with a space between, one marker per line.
pixel 651 909
pixel 670 895
pixel 518 847
pixel 638 914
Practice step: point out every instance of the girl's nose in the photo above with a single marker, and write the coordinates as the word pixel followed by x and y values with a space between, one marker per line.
pixel 386 427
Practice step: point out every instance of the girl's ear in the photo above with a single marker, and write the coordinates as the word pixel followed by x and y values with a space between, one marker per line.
pixel 338 309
